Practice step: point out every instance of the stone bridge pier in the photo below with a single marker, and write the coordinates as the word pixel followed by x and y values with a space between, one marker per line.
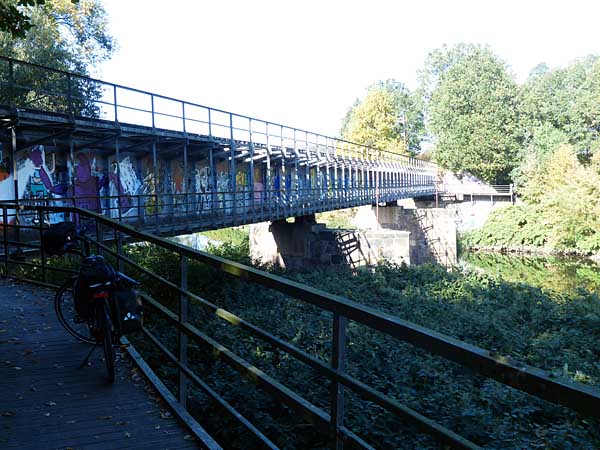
pixel 394 233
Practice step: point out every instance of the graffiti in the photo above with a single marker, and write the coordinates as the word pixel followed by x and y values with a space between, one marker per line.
pixel 39 183
pixel 87 185
pixel 4 165
pixel 7 185
pixel 202 187
pixel 177 176
pixel 124 182
pixel 259 186
pixel 223 187
pixel 242 183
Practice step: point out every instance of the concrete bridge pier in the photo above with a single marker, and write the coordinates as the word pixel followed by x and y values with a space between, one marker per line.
pixel 432 231
pixel 305 244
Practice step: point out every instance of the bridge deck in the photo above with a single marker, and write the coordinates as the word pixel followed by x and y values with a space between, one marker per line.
pixel 47 402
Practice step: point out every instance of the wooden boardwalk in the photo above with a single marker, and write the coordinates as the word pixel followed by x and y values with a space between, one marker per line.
pixel 47 402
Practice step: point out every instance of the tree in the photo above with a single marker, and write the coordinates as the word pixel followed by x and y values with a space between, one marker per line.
pixel 63 35
pixel 568 99
pixel 15 19
pixel 385 118
pixel 473 111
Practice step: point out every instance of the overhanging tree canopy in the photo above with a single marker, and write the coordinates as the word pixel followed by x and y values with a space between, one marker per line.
pixel 473 111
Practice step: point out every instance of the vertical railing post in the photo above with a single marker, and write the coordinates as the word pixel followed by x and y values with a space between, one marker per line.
pixel 119 244
pixel 70 97
pixel 11 84
pixel 118 185
pixel 183 338
pixel 156 184
pixel 232 168
pixel 5 237
pixel 152 106
pixel 209 125
pixel 338 358
pixel 42 253
pixel 251 180
pixel 185 186
pixel 115 101
pixel 99 238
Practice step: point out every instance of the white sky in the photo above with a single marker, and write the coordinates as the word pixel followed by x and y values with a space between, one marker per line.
pixel 302 63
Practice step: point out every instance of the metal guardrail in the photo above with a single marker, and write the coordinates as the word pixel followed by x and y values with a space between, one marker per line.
pixel 581 398
pixel 460 191
pixel 229 207
pixel 30 86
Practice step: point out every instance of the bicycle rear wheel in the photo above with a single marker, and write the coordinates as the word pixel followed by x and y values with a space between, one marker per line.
pixel 107 342
pixel 64 305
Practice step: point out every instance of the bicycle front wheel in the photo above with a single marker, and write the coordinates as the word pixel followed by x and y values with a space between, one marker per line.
pixel 64 305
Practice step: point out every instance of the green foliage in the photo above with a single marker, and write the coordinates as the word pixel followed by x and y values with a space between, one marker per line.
pixel 233 235
pixel 65 35
pixel 567 99
pixel 15 19
pixel 381 119
pixel 562 212
pixel 553 330
pixel 473 108
pixel 341 218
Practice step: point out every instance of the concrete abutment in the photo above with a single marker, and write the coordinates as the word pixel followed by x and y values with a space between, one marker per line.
pixel 393 233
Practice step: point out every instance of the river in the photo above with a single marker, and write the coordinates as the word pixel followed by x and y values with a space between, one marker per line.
pixel 548 273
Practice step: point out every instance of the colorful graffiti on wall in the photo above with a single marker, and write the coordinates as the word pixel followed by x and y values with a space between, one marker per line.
pixel 89 182
pixel 96 181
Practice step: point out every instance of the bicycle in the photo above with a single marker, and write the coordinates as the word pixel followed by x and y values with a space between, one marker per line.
pixel 99 323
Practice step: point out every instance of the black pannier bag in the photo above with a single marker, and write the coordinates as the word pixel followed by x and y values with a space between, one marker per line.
pixel 56 239
pixel 128 306
pixel 95 274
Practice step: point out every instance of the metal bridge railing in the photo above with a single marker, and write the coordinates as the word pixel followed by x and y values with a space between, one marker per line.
pixel 33 87
pixel 209 209
pixel 113 239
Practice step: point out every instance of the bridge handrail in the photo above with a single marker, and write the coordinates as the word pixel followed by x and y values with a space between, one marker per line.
pixel 582 398
pixel 371 151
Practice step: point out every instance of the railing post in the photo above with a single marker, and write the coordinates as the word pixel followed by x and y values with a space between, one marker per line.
pixel 42 253
pixel 5 237
pixel 119 244
pixel 11 83
pixel 183 339
pixel 232 168
pixel 70 97
pixel 115 101
pixel 152 106
pixel 338 358
pixel 99 238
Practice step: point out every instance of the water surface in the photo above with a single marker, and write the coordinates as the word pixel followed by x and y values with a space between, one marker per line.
pixel 548 273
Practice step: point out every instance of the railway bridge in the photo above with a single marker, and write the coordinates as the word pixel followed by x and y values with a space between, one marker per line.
pixel 171 166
